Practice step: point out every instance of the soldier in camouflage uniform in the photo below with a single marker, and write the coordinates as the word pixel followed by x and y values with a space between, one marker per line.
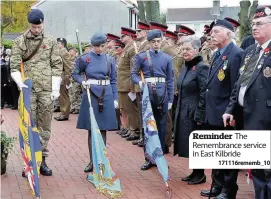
pixel 110 43
pixel 43 65
pixel 64 99
pixel 128 107
pixel 76 90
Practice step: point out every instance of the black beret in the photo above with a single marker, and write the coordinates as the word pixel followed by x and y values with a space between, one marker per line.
pixel 223 23
pixel 35 17
pixel 98 38
pixel 62 40
pixel 152 34
pixel 262 11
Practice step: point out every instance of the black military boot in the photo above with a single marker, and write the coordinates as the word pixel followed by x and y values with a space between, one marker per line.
pixel 89 168
pixel 44 169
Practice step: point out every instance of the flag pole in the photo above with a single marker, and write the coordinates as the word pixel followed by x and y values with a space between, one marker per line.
pixel 168 189
pixel 87 87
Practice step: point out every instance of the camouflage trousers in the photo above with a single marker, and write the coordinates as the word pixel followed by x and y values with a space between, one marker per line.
pixel 42 112
pixel 75 96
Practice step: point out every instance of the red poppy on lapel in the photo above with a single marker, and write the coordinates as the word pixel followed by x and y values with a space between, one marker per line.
pixel 44 46
pixel 194 68
pixel 266 51
pixel 88 60
pixel 224 58
pixel 145 58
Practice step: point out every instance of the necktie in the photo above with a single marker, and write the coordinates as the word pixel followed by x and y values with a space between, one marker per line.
pixel 156 51
pixel 216 56
pixel 244 79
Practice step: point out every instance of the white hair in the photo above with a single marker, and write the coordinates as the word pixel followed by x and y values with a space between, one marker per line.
pixel 195 41
pixel 226 31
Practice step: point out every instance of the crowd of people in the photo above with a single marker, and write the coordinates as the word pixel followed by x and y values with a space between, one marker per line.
pixel 206 83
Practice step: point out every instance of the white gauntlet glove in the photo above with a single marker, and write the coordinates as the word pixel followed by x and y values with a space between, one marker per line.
pixel 56 80
pixel 17 77
pixel 85 84
pixel 169 106
pixel 116 104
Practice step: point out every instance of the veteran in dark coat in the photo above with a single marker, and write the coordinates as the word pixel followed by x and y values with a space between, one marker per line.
pixel 252 93
pixel 223 74
pixel 101 80
pixel 190 111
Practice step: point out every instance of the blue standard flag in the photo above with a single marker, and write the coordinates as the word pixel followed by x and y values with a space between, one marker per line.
pixel 30 146
pixel 103 177
pixel 153 151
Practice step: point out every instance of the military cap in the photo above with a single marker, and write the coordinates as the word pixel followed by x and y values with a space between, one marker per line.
pixel 176 32
pixel 143 26
pixel 185 30
pixel 152 34
pixel 223 23
pixel 232 21
pixel 171 34
pixel 35 16
pixel 119 43
pixel 155 25
pixel 98 38
pixel 262 11
pixel 128 31
pixel 62 40
pixel 112 36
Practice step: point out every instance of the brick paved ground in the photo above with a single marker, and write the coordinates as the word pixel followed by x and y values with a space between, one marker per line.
pixel 69 156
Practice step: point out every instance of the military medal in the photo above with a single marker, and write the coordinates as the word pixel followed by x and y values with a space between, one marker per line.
pixel 221 75
pixel 225 65
pixel 259 66
pixel 267 72
pixel 242 70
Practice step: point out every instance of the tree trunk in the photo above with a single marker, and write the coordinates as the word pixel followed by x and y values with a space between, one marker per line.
pixel 244 19
pixel 155 10
pixel 253 9
pixel 141 8
pixel 148 11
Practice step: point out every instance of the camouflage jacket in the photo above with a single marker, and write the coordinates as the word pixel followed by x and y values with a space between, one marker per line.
pixel 43 65
pixel 125 64
pixel 67 66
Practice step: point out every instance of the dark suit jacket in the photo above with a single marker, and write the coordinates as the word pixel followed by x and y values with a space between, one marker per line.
pixel 218 91
pixel 247 41
pixel 257 99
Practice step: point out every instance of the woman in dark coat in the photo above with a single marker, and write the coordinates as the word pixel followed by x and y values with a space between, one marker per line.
pixel 190 111
pixel 101 81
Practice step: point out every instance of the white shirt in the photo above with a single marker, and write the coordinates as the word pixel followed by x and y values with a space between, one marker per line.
pixel 243 89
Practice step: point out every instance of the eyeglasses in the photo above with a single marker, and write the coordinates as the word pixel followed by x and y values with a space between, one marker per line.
pixel 188 49
pixel 258 24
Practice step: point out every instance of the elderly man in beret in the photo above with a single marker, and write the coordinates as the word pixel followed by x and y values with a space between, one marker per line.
pixel 252 93
pixel 43 65
pixel 222 76
pixel 158 71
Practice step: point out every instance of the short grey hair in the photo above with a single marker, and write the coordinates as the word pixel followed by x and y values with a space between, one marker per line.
pixel 195 41
pixel 232 34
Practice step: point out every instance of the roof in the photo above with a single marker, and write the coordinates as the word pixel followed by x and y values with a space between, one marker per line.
pixel 200 14
pixel 11 36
